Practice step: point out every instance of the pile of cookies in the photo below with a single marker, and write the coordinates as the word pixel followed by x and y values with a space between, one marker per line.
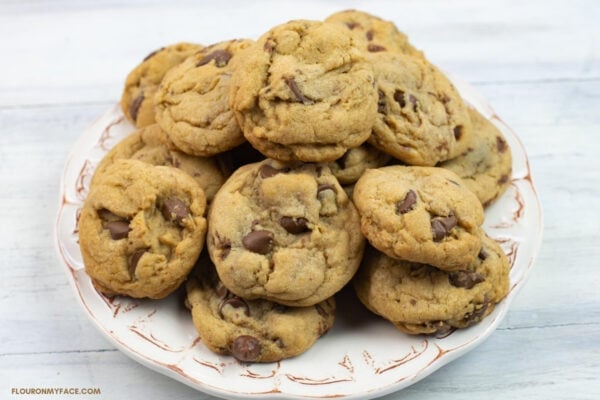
pixel 284 159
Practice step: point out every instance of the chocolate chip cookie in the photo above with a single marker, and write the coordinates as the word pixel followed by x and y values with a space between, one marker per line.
pixel 284 232
pixel 486 166
pixel 141 229
pixel 420 214
pixel 137 100
pixel 252 330
pixel 304 92
pixel 421 117
pixel 150 144
pixel 192 102
pixel 421 299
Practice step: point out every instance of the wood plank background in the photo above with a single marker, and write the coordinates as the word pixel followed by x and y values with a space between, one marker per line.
pixel 538 63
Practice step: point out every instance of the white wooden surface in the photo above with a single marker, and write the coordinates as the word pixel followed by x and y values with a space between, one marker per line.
pixel 63 63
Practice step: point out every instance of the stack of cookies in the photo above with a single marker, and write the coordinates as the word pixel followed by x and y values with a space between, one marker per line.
pixel 283 159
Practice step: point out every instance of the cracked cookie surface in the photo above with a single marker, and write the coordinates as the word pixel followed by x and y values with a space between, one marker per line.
pixel 151 145
pixel 486 165
pixel 420 214
pixel 420 299
pixel 141 229
pixel 252 330
pixel 192 101
pixel 286 232
pixel 137 100
pixel 304 92
pixel 421 118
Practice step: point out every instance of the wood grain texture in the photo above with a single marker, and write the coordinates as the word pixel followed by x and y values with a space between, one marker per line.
pixel 537 62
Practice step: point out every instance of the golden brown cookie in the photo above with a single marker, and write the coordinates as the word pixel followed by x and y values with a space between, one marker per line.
pixel 421 299
pixel 141 229
pixel 150 144
pixel 420 214
pixel 486 166
pixel 252 330
pixel 304 92
pixel 137 100
pixel 284 232
pixel 192 102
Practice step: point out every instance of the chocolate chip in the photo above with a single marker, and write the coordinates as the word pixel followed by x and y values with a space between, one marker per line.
pixel 413 100
pixel 374 48
pixel 501 144
pixel 291 83
pixel 260 242
pixel 399 97
pixel 369 35
pixel 465 279
pixel 441 226
pixel 503 179
pixel 267 171
pixel 221 291
pixel 220 56
pixel 134 259
pixel 443 329
pixel 478 312
pixel 381 103
pixel 175 210
pixel 269 45
pixel 457 132
pixel 482 254
pixel 404 206
pixel 352 25
pixel 246 348
pixel 235 302
pixel 293 225
pixel 134 108
pixel 149 56
pixel 118 229
pixel 322 311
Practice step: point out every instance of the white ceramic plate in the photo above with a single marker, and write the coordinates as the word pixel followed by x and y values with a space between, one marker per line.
pixel 361 357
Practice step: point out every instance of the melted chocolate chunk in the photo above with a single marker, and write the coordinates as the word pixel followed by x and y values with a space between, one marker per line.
pixel 477 314
pixel 267 171
pixel 294 225
pixel 269 45
pixel 399 97
pixel 413 100
pixel 381 103
pixel 108 215
pixel 503 179
pixel 175 210
pixel 291 83
pixel 501 144
pixel 374 48
pixel 235 302
pixel 441 226
pixel 369 35
pixel 134 259
pixel 134 108
pixel 465 279
pixel 220 56
pixel 118 229
pixel 404 206
pixel 246 348
pixel 352 25
pixel 457 132
pixel 482 254
pixel 260 242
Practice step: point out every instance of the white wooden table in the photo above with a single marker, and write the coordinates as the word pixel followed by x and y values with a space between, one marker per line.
pixel 63 63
